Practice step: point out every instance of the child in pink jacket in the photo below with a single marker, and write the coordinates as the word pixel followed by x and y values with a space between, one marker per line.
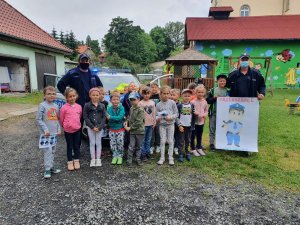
pixel 70 115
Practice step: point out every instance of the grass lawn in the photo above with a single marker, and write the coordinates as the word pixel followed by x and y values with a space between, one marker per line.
pixel 277 164
pixel 31 98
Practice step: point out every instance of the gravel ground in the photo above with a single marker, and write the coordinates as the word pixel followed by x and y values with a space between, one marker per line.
pixel 122 195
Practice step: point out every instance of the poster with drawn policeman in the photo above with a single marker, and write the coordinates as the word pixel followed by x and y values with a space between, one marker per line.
pixel 47 141
pixel 237 124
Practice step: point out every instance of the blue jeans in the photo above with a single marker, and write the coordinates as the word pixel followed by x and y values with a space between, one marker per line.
pixel 147 141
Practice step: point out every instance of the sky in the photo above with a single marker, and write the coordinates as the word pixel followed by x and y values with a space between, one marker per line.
pixel 92 17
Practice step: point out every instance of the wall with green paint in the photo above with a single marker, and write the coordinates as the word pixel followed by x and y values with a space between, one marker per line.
pixel 284 55
pixel 13 50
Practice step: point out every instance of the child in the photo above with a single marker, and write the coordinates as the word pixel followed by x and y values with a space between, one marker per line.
pixel 126 103
pixel 70 115
pixel 115 117
pixel 214 93
pixel 94 115
pixel 192 87
pixel 48 123
pixel 201 110
pixel 155 141
pixel 150 120
pixel 136 127
pixel 185 123
pixel 101 97
pixel 166 112
pixel 175 94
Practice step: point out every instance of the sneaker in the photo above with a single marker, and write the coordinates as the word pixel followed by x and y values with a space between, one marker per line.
pixel 47 174
pixel 144 159
pixel 98 162
pixel 180 158
pixel 151 150
pixel 212 147
pixel 129 162
pixel 188 157
pixel 76 164
pixel 171 162
pixel 203 147
pixel 119 161
pixel 195 153
pixel 139 162
pixel 70 165
pixel 157 149
pixel 201 152
pixel 161 161
pixel 55 170
pixel 176 151
pixel 93 163
pixel 114 160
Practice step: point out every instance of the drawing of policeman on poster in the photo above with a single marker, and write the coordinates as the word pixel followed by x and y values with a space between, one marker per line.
pixel 237 124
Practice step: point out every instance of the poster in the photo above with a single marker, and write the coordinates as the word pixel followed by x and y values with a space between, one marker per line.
pixel 237 124
pixel 47 141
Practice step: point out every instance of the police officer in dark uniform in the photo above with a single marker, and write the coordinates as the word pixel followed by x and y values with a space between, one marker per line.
pixel 246 81
pixel 81 79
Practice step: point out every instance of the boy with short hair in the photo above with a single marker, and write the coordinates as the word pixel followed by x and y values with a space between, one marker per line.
pixel 47 119
pixel 185 123
pixel 136 127
pixel 214 93
pixel 175 95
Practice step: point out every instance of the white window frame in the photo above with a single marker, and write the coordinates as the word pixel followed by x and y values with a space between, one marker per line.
pixel 244 10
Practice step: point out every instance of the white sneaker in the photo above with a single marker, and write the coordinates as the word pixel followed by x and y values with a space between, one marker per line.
pixel 157 149
pixel 98 162
pixel 171 161
pixel 195 153
pixel 176 151
pixel 151 150
pixel 161 161
pixel 201 152
pixel 93 163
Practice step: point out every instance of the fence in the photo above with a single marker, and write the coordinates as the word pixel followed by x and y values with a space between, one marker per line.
pixel 182 83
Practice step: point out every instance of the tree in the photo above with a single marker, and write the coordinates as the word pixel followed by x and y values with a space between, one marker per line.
pixel 88 40
pixel 162 41
pixel 146 49
pixel 175 31
pixel 95 47
pixel 62 37
pixel 54 33
pixel 122 38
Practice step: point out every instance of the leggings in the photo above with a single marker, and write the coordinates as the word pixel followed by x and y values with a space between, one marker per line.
pixel 95 140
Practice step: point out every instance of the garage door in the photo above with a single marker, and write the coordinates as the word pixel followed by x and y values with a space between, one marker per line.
pixel 44 64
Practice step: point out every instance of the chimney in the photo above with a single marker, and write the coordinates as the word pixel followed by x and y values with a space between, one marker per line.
pixel 220 13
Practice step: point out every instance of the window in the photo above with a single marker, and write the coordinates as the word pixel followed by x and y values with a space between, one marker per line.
pixel 245 10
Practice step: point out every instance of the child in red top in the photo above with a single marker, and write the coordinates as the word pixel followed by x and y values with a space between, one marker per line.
pixel 70 115
pixel 201 111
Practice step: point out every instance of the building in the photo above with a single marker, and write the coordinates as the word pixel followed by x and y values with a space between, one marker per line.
pixel 272 41
pixel 28 51
pixel 260 7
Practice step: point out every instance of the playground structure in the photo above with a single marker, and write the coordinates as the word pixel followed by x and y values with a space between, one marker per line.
pixel 293 106
pixel 291 80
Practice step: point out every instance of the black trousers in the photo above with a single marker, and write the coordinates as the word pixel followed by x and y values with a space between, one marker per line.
pixel 73 144
pixel 183 140
pixel 198 134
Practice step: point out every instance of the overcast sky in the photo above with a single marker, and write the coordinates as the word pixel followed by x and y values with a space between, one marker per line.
pixel 94 16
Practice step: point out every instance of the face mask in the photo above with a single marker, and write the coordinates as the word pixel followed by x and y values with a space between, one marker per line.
pixel 84 66
pixel 244 64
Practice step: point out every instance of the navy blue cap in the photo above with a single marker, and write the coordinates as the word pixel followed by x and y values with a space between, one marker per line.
pixel 82 56
pixel 237 106
pixel 244 55
pixel 134 95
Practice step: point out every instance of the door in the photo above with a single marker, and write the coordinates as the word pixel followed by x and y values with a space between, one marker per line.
pixel 44 64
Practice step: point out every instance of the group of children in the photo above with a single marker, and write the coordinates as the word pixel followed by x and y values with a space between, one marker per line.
pixel 149 118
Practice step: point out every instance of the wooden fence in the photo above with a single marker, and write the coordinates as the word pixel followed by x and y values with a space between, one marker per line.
pixel 182 83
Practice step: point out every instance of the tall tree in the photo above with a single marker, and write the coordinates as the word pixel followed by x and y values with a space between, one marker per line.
pixel 163 42
pixel 54 33
pixel 88 40
pixel 175 31
pixel 61 37
pixel 95 47
pixel 122 38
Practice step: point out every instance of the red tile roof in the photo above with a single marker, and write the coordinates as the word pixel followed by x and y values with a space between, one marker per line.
pixel 244 28
pixel 14 24
pixel 82 48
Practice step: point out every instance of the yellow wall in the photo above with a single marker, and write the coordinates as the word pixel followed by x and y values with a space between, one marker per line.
pixel 261 7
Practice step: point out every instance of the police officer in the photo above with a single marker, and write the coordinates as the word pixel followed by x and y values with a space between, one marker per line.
pixel 246 81
pixel 81 79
